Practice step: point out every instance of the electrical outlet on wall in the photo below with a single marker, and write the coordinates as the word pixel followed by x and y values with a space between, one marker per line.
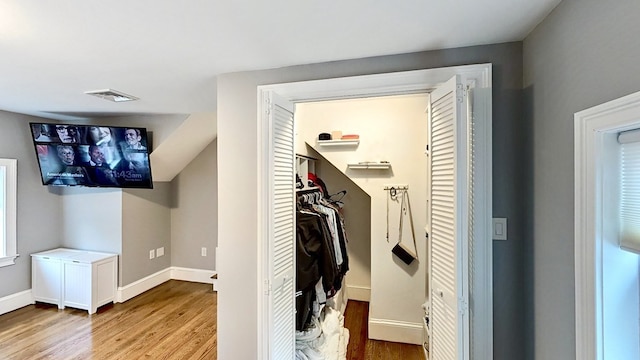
pixel 152 254
pixel 160 251
pixel 203 251
pixel 499 228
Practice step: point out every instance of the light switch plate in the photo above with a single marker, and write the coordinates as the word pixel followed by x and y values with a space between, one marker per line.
pixel 499 228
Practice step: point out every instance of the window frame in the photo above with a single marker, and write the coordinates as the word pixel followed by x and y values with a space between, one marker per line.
pixel 8 239
pixel 590 127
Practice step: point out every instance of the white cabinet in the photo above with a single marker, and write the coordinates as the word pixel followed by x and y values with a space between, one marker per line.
pixel 74 278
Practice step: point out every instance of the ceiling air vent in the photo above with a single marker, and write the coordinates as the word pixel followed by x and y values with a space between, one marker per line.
pixel 111 95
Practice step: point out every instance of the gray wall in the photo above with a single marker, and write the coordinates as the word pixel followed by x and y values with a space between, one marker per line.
pixel 39 214
pixel 237 244
pixel 92 220
pixel 146 225
pixel 194 213
pixel 129 222
pixel 583 54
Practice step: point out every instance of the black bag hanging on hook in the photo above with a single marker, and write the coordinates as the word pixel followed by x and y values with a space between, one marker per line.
pixel 404 254
pixel 400 250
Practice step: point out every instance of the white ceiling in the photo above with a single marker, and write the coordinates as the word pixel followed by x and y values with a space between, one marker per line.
pixel 168 53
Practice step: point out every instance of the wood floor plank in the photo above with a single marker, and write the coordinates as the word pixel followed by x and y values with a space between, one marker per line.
pixel 176 320
pixel 356 320
pixel 362 348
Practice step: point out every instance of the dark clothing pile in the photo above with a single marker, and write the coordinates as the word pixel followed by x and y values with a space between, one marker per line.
pixel 321 254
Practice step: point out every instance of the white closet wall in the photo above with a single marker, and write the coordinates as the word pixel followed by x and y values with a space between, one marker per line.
pixel 394 129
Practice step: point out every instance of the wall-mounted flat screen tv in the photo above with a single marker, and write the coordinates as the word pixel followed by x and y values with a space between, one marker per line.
pixel 95 156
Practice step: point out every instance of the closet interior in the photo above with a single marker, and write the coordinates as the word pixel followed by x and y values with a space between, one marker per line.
pixel 322 262
pixel 363 159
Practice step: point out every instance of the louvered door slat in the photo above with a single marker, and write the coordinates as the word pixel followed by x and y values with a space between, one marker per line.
pixel 282 232
pixel 443 349
pixel 444 251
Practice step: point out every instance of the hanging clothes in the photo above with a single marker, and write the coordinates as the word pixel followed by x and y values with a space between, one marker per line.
pixel 314 261
pixel 321 253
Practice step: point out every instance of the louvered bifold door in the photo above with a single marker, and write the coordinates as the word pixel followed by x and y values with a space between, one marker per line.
pixel 447 172
pixel 281 231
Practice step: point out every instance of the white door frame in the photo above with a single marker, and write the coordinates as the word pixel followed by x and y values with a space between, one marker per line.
pixel 590 128
pixel 477 76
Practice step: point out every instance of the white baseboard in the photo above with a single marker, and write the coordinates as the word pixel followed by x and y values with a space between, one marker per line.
pixel 138 287
pixel 395 331
pixel 193 275
pixel 15 301
pixel 124 293
pixel 359 293
pixel 171 273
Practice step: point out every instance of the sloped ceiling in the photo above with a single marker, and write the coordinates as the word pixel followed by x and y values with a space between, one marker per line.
pixel 168 53
pixel 185 143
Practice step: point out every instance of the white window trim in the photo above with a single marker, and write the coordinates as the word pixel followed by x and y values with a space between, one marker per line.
pixel 590 127
pixel 10 200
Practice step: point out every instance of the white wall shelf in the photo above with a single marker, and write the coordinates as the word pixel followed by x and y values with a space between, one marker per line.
pixel 369 166
pixel 349 142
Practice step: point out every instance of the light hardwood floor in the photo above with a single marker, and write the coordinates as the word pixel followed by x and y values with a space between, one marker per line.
pixel 176 320
pixel 362 348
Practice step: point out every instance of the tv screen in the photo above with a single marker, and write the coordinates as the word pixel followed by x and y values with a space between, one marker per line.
pixel 89 155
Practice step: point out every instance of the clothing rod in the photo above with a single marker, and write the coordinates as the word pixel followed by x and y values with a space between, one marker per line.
pixel 307 190
pixel 306 157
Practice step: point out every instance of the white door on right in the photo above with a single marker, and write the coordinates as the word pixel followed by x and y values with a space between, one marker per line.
pixel 449 141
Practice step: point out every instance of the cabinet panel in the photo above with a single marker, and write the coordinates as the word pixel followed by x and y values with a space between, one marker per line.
pixel 77 285
pixel 46 278
pixel 105 273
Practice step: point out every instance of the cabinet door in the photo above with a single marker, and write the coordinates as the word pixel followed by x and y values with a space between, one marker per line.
pixel 46 280
pixel 77 284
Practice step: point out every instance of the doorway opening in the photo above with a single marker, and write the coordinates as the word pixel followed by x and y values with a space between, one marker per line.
pixel 477 76
pixel 388 153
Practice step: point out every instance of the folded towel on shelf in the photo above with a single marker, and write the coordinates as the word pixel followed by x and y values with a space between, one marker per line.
pixel 350 137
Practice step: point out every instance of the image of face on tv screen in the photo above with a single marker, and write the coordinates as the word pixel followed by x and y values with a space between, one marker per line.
pixel 92 155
